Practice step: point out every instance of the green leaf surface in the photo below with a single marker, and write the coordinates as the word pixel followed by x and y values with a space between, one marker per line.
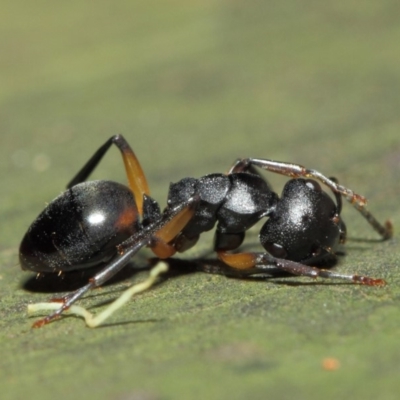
pixel 193 86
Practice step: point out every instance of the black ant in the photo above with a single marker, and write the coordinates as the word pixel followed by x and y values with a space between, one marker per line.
pixel 106 223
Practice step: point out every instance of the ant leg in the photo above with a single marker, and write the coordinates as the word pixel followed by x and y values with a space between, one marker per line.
pixel 337 195
pixel 136 178
pixel 162 229
pixel 92 321
pixel 160 241
pixel 262 262
pixel 249 168
pixel 385 230
pixel 298 171
pixel 339 204
pixel 110 270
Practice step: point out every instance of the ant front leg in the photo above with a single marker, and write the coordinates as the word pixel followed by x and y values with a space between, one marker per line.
pixel 298 171
pixel 136 177
pixel 256 263
pixel 161 231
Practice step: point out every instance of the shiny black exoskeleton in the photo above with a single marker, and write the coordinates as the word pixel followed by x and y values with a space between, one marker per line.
pixel 103 222
pixel 80 228
pixel 234 203
pixel 303 225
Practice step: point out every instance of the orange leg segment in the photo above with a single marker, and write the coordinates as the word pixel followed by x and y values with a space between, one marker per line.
pixel 239 260
pixel 160 244
pixel 136 178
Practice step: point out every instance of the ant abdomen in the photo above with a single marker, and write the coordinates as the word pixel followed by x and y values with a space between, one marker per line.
pixel 80 228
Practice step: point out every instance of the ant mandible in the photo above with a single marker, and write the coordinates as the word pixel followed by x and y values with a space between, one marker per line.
pixel 106 223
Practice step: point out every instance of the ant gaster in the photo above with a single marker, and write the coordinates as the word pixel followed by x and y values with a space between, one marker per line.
pixel 106 223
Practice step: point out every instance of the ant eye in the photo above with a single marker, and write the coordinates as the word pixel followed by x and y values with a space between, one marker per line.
pixel 275 250
pixel 313 185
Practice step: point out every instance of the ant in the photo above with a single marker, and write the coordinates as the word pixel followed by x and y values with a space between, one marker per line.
pixel 106 223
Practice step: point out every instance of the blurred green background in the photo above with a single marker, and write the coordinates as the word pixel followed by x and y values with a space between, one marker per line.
pixel 193 86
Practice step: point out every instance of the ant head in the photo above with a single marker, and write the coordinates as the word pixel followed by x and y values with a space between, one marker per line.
pixel 305 224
